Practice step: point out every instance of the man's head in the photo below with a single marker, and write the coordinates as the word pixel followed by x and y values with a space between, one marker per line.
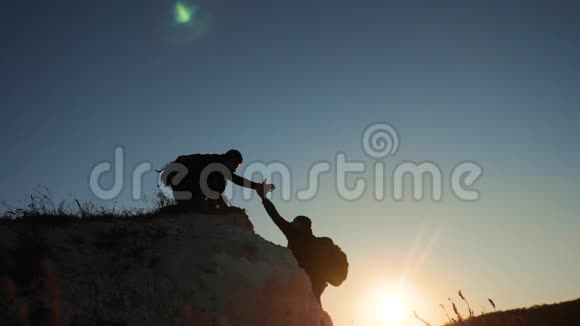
pixel 302 223
pixel 233 159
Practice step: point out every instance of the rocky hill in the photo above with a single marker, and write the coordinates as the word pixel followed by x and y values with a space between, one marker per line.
pixel 167 268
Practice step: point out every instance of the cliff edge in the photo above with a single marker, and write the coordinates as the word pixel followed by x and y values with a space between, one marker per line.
pixel 169 268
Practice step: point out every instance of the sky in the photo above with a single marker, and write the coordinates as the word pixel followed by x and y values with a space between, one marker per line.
pixel 494 83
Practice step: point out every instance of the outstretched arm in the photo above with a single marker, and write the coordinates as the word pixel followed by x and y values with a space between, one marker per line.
pixel 241 181
pixel 282 224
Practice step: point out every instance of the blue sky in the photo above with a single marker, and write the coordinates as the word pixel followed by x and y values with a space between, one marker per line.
pixel 297 82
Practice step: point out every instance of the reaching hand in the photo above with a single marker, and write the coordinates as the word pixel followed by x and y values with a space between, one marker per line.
pixel 268 186
pixel 264 188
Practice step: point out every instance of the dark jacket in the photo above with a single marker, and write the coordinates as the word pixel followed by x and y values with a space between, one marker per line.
pixel 301 243
pixel 196 163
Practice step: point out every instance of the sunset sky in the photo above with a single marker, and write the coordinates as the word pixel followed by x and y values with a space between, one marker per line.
pixel 298 82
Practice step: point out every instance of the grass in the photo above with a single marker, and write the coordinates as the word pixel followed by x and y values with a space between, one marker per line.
pixel 564 313
pixel 41 207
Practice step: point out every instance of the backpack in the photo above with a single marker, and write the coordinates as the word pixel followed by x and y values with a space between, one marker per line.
pixel 330 261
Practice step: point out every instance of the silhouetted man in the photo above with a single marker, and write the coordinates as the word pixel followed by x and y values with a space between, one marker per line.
pixel 199 180
pixel 301 242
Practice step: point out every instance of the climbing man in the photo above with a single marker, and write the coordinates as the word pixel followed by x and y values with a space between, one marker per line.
pixel 323 261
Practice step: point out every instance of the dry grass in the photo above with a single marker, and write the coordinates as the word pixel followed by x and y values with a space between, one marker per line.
pixel 565 314
pixel 41 207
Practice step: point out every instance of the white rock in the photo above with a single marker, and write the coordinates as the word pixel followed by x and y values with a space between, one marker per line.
pixel 166 270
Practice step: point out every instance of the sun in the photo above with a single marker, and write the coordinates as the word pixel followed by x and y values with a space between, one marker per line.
pixel 392 309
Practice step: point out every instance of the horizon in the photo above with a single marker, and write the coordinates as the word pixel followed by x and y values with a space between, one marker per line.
pixel 494 84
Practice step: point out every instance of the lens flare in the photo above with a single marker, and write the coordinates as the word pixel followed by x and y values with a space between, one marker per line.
pixel 188 21
pixel 184 13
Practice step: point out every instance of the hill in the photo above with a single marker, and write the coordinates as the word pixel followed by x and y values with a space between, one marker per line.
pixel 558 314
pixel 166 268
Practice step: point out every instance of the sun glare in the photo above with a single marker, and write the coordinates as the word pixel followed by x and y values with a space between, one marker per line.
pixel 392 309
